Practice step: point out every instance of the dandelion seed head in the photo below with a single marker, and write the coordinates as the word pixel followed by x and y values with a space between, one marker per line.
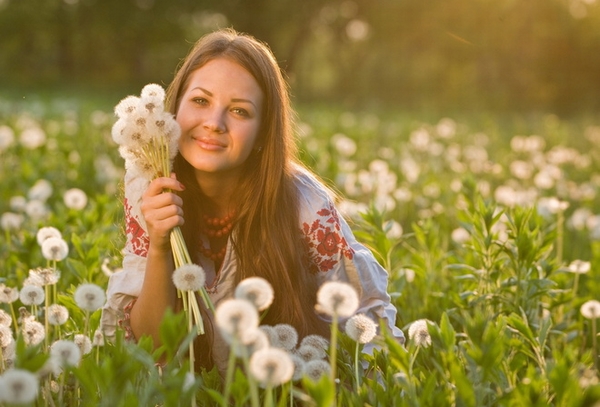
pixel 235 317
pixel 255 339
pixel 9 353
pixel 98 339
pixel 309 352
pixel 11 221
pixel 299 364
pixel 8 295
pixel 286 336
pixel 337 299
pixel 361 328
pixel 317 341
pixel 153 93
pixel 7 137
pixel 5 318
pixel 55 248
pixel 271 367
pixel 316 368
pixel 6 336
pixel 47 232
pixel 40 191
pixel 256 290
pixel 19 386
pixel 33 332
pixel 36 209
pixel 590 309
pixel 32 138
pixel 65 353
pixel 89 297
pixel 580 266
pixel 418 332
pixel 57 314
pixel 31 295
pixel 127 106
pixel 189 277
pixel 83 342
pixel 43 276
pixel 75 198
pixel 270 332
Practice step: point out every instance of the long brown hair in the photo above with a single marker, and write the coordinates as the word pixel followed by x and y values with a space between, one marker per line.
pixel 267 238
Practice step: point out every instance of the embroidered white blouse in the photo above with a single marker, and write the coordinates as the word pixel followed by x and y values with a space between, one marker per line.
pixel 334 252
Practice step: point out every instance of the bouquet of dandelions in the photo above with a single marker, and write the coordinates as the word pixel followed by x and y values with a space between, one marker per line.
pixel 148 137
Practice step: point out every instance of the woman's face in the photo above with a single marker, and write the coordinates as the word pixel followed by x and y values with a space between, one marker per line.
pixel 220 115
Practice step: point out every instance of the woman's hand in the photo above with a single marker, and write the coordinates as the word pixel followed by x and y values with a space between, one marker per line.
pixel 162 211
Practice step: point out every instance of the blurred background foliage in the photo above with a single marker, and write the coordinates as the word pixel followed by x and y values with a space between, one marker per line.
pixel 436 55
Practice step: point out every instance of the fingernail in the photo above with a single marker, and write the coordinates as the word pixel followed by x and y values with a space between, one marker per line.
pixel 181 186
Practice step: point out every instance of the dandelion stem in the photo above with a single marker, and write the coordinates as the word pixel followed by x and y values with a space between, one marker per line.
pixel 333 348
pixel 229 374
pixel 46 323
pixel 356 371
pixel 595 343
pixel 251 382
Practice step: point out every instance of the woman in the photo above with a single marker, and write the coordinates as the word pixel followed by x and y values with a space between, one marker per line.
pixel 245 205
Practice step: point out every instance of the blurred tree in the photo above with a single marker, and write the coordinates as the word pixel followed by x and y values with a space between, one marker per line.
pixel 462 54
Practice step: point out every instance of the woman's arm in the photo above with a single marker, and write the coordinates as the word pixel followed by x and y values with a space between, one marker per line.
pixel 162 212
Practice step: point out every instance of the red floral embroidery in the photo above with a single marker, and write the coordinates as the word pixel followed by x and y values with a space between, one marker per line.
pixel 325 241
pixel 135 234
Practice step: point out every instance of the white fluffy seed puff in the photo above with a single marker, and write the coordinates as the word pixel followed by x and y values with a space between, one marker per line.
pixel 337 299
pixel 46 232
pixel 89 297
pixel 189 277
pixel 57 314
pixel 257 290
pixel 65 353
pixel 31 295
pixel 18 386
pixel 418 332
pixel 361 328
pixel 590 309
pixel 271 367
pixel 235 317
pixel 55 248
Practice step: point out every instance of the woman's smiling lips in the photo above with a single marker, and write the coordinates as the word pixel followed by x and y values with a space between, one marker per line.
pixel 210 143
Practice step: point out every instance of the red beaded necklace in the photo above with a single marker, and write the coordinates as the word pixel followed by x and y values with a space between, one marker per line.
pixel 216 228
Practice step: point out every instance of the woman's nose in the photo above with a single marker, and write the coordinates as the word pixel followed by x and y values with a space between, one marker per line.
pixel 215 121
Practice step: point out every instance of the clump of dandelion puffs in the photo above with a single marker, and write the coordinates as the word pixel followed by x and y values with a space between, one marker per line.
pixel 43 276
pixel 418 332
pixel 55 248
pixel 256 290
pixel 18 386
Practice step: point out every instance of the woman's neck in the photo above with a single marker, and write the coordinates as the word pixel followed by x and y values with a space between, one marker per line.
pixel 219 193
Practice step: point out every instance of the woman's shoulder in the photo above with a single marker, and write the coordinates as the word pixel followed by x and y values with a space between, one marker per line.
pixel 311 188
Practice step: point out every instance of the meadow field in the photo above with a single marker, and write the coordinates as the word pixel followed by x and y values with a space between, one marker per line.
pixel 489 227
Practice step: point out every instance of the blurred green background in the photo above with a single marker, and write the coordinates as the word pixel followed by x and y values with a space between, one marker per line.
pixel 434 55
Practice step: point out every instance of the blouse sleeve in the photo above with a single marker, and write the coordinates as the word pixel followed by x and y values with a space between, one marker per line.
pixel 336 255
pixel 124 286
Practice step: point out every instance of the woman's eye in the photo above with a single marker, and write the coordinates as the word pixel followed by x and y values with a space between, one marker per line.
pixel 200 101
pixel 240 111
